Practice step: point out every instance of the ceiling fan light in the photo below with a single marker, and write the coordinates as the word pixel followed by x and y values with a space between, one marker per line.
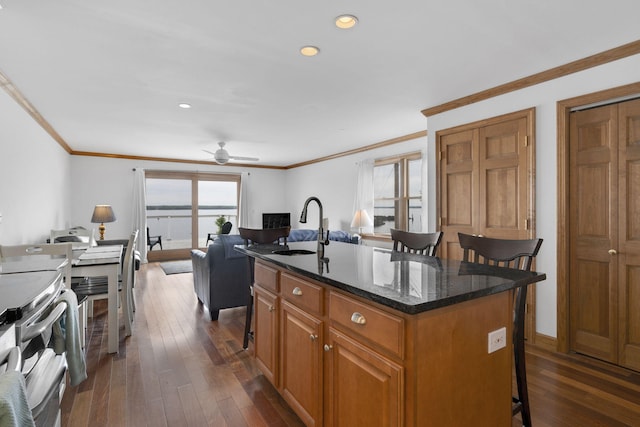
pixel 221 156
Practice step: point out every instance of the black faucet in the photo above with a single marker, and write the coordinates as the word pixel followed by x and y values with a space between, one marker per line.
pixel 303 219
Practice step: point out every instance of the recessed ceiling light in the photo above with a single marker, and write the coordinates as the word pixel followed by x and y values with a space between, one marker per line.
pixel 309 51
pixel 346 21
pixel 184 105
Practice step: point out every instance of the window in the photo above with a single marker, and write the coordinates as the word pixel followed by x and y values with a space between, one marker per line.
pixel 397 193
pixel 183 207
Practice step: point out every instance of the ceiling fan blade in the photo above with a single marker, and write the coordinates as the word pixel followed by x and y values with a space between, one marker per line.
pixel 248 159
pixel 210 152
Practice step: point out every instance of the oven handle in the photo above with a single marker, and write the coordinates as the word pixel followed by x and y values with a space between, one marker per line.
pixel 14 359
pixel 38 328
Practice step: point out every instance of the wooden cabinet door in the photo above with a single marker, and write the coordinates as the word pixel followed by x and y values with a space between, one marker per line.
pixel 301 359
pixel 266 333
pixel 364 388
pixel 628 256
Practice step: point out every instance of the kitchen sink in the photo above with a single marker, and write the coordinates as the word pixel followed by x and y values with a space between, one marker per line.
pixel 290 252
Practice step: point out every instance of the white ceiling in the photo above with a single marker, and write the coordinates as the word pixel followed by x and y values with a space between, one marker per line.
pixel 108 76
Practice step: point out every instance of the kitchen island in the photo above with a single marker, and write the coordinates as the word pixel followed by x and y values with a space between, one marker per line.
pixel 354 335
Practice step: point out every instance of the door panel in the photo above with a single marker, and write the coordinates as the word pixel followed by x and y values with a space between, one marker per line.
pixel 457 201
pixel 593 229
pixel 504 192
pixel 629 245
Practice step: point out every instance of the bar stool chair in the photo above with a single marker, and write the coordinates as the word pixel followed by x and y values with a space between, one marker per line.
pixel 517 254
pixel 416 243
pixel 259 236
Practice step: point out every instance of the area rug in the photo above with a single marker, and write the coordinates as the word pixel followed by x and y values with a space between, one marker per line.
pixel 176 267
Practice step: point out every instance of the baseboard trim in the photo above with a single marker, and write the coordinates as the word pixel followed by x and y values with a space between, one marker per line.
pixel 546 342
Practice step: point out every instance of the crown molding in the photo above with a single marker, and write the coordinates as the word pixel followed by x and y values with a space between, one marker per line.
pixel 601 58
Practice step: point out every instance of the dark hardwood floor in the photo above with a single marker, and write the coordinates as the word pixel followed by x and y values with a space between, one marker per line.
pixel 180 369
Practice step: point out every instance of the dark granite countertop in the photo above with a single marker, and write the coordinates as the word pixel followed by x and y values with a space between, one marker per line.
pixel 408 283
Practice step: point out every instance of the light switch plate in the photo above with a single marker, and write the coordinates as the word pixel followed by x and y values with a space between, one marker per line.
pixel 497 339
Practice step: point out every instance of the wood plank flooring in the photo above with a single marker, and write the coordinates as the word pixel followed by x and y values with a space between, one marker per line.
pixel 181 369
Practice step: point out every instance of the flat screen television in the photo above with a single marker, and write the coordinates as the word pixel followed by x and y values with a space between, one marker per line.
pixel 276 220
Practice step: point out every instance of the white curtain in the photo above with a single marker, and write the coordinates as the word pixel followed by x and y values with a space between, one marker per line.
pixel 364 191
pixel 140 212
pixel 243 209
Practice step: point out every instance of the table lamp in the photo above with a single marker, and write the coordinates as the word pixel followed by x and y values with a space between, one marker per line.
pixel 361 219
pixel 102 214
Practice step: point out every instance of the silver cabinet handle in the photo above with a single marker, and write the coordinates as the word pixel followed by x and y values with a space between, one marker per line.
pixel 297 291
pixel 358 319
pixel 612 252
pixel 328 347
pixel 313 337
pixel 272 308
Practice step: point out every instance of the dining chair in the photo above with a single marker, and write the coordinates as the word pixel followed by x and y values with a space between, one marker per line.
pixel 516 254
pixel 54 249
pixel 259 236
pixel 95 288
pixel 225 229
pixel 153 240
pixel 416 243
pixel 79 237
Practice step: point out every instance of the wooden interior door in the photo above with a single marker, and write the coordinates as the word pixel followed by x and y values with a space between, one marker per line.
pixel 486 180
pixel 604 233
pixel 486 185
pixel 593 307
pixel 628 256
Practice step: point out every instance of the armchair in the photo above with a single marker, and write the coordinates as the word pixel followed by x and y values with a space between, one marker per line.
pixel 221 275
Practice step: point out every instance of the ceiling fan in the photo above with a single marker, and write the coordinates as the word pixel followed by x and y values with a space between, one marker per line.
pixel 221 156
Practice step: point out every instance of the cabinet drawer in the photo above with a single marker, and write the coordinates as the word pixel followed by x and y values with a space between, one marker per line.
pixel 302 293
pixel 383 329
pixel 266 277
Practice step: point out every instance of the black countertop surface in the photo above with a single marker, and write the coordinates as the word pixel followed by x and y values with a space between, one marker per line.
pixel 408 283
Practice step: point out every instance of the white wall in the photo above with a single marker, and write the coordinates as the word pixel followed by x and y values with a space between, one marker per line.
pixel 34 178
pixel 334 183
pixel 543 97
pixel 98 180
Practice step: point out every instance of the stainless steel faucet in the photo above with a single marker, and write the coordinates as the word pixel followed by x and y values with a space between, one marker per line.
pixel 303 219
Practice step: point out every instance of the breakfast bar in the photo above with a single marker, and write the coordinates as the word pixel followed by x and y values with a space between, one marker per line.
pixel 358 335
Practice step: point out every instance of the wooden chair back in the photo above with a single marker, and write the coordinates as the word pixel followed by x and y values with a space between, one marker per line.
pixel 518 254
pixel 416 243
pixel 262 236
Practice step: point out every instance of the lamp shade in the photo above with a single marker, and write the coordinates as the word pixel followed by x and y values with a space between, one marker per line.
pixel 361 219
pixel 102 214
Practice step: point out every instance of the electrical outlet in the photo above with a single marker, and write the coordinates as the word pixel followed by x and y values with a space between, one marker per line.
pixel 497 339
